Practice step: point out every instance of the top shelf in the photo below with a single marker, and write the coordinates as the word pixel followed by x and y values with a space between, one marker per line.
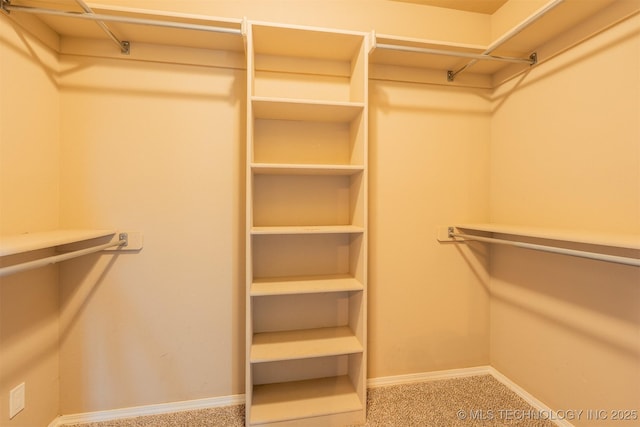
pixel 551 29
pixel 563 26
pixel 306 42
pixel 172 29
pixel 19 243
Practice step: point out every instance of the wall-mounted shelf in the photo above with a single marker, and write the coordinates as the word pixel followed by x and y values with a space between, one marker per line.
pixel 554 27
pixel 19 243
pixel 608 247
pixel 68 20
pixel 551 29
pixel 71 244
pixel 627 241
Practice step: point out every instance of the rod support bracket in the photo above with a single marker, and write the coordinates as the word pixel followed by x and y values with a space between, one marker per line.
pixel 123 238
pixel 451 75
pixel 125 47
pixel 533 58
pixel 4 4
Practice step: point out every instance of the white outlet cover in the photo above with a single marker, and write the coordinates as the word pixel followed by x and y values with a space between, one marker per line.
pixel 16 400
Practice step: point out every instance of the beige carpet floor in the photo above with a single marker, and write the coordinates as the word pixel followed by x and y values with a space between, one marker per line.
pixel 478 401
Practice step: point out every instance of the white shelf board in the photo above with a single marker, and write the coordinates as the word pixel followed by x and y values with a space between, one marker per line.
pixel 626 241
pixel 303 399
pixel 304 169
pixel 307 110
pixel 308 229
pixel 304 343
pixel 19 243
pixel 70 27
pixel 305 42
pixel 304 285
pixel 421 60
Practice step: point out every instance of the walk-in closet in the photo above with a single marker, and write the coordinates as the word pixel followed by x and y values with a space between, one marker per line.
pixel 319 213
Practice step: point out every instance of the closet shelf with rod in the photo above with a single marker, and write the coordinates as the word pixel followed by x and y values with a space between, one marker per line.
pixel 613 248
pixel 531 40
pixel 125 26
pixel 391 50
pixel 554 27
pixel 92 241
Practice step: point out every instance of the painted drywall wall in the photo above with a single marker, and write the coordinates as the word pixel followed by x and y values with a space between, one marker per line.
pixel 155 148
pixel 29 167
pixel 565 153
pixel 428 165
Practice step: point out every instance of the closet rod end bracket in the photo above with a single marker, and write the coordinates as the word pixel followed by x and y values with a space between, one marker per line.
pixel 4 4
pixel 451 75
pixel 125 47
pixel 533 58
pixel 445 234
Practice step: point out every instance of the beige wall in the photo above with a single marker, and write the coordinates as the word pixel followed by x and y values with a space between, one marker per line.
pixel 155 148
pixel 428 168
pixel 29 167
pixel 565 153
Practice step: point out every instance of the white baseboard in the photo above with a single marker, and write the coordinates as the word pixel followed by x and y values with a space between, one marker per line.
pixel 138 411
pixel 428 376
pixel 552 415
pixel 238 399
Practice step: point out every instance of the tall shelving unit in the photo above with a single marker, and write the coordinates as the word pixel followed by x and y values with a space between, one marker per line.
pixel 306 225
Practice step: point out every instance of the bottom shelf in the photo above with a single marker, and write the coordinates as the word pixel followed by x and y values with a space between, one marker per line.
pixel 303 399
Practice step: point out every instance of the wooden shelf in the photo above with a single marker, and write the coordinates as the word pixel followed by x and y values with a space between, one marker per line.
pixel 304 169
pixel 423 60
pixel 303 399
pixel 309 110
pixel 308 229
pixel 305 285
pixel 625 241
pixel 71 27
pixel 19 243
pixel 301 344
pixel 305 42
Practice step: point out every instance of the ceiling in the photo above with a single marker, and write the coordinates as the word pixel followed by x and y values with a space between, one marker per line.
pixel 479 6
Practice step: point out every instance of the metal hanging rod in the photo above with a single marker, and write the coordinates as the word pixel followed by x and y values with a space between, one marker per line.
pixel 8 7
pixel 443 52
pixel 17 268
pixel 545 248
pixel 451 75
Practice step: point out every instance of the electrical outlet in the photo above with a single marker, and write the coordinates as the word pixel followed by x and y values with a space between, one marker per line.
pixel 16 400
